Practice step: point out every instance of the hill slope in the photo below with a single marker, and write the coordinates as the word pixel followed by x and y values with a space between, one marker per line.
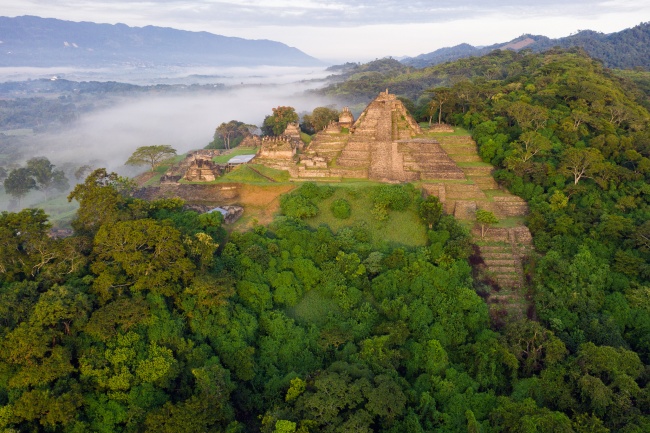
pixel 626 49
pixel 34 41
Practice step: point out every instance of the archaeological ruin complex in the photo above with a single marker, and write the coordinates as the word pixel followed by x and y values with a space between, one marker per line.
pixel 386 144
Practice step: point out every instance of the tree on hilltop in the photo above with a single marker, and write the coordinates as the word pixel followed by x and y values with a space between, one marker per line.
pixel 151 155
pixel 319 119
pixel 277 123
pixel 230 132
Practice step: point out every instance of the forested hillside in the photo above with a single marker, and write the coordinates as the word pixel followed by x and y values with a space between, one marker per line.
pixel 626 49
pixel 150 319
pixel 360 84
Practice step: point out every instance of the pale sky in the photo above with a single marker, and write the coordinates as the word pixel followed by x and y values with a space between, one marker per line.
pixel 361 30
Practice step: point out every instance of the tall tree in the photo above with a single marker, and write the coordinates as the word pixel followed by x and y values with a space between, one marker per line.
pixel 319 119
pixel 151 155
pixel 440 96
pixel 231 131
pixel 46 177
pixel 580 163
pixel 19 183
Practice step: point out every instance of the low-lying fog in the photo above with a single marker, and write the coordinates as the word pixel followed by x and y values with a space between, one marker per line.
pixel 145 75
pixel 185 121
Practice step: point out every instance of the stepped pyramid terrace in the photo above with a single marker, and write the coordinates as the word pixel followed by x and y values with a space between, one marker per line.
pixel 381 145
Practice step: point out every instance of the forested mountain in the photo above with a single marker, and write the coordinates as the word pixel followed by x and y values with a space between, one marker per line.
pixel 626 49
pixel 35 41
pixel 150 319
pixel 359 84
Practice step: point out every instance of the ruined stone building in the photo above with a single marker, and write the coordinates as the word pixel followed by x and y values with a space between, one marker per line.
pixel 346 119
pixel 202 170
pixel 280 152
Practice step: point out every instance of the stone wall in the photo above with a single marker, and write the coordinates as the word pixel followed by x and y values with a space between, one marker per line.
pixel 278 148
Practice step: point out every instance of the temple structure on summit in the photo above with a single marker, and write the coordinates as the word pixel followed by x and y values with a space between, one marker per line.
pixel 346 118
pixel 381 145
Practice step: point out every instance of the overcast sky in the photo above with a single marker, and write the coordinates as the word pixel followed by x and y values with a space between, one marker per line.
pixel 354 30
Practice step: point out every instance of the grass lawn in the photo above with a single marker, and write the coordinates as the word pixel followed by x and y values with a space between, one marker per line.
pixel 254 173
pixel 511 222
pixel 401 228
pixel 473 164
pixel 222 159
pixel 457 130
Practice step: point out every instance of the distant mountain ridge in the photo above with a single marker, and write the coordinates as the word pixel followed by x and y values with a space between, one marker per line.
pixel 626 49
pixel 35 41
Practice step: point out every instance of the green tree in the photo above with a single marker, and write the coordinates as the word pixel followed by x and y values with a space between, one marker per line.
pixel 580 163
pixel 232 131
pixel 430 211
pixel 441 95
pixel 19 183
pixel 139 255
pixel 341 208
pixel 47 178
pixel 278 121
pixel 24 245
pixel 319 119
pixel 151 155
pixel 485 219
pixel 101 200
pixel 82 171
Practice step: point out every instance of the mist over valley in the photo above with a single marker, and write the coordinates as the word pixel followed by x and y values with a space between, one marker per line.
pixel 107 113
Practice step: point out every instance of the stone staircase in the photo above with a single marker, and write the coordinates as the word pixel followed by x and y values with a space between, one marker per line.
pixel 426 157
pixel 328 146
pixel 503 251
pixel 462 150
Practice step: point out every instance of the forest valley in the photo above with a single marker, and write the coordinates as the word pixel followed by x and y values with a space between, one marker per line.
pixel 151 318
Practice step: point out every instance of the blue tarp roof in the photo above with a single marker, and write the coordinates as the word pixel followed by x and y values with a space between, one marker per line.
pixel 241 159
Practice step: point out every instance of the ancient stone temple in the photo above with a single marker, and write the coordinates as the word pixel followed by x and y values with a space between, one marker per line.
pixel 382 145
pixel 292 131
pixel 202 170
pixel 346 119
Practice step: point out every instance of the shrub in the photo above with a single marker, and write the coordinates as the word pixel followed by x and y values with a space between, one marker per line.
pixel 394 197
pixel 297 206
pixel 311 191
pixel 341 208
